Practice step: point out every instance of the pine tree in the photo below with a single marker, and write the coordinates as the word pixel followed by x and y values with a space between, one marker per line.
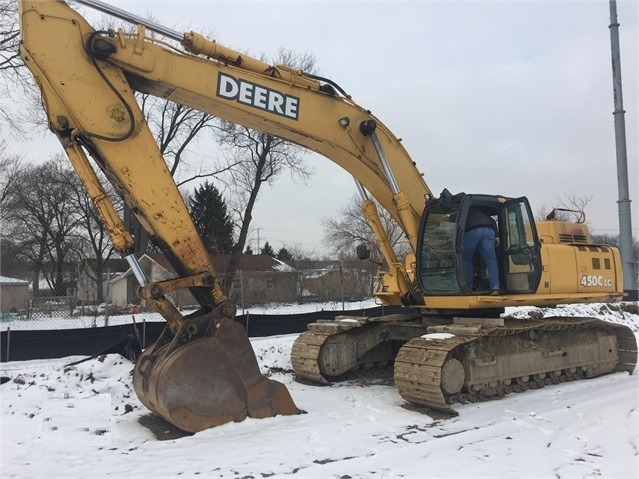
pixel 268 249
pixel 211 219
pixel 248 250
pixel 284 255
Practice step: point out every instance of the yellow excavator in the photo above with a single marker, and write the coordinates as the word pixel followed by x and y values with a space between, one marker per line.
pixel 452 344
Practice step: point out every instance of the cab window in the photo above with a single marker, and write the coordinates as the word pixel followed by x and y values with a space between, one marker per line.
pixel 437 259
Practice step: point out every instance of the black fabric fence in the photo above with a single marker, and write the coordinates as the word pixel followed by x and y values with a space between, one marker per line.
pixel 128 339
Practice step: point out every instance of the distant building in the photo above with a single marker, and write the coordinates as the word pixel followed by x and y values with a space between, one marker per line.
pixel 14 294
pixel 259 279
pixel 121 287
pixel 349 280
pixel 87 285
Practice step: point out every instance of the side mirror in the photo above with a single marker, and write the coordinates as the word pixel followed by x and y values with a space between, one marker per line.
pixel 363 252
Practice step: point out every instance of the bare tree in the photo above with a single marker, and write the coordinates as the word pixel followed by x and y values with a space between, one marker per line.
pixel 261 158
pixel 349 228
pixel 11 167
pixel 96 247
pixel 49 221
pixel 570 202
pixel 10 61
pixel 178 129
pixel 27 222
pixel 305 262
pixel 344 231
pixel 575 204
pixel 613 240
pixel 16 84
pixel 65 243
pixel 42 219
pixel 9 36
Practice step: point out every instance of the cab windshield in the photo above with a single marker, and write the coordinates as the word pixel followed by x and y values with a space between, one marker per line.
pixel 436 256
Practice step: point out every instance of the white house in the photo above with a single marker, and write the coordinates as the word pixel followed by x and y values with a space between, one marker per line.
pixel 121 287
pixel 14 294
pixel 87 291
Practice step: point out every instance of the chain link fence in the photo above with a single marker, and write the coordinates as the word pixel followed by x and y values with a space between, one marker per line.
pixel 60 315
pixel 61 312
pixel 254 292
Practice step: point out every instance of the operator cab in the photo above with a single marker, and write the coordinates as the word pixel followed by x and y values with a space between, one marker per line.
pixel 440 254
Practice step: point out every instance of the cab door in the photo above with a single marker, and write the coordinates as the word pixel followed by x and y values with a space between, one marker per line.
pixel 521 258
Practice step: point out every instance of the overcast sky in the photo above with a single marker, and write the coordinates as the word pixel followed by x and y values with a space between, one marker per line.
pixel 511 98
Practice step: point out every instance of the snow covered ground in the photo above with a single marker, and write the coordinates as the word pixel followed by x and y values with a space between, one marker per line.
pixel 85 421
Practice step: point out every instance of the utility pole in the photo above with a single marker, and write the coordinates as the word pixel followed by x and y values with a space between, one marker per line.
pixel 625 221
pixel 257 251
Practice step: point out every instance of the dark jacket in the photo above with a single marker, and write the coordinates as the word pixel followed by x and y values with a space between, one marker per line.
pixel 478 218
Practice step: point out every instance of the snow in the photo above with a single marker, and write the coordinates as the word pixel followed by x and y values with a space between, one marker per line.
pixel 85 421
pixel 433 336
pixel 282 266
pixel 8 280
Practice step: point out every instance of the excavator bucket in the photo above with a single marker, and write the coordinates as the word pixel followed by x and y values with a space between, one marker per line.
pixel 206 375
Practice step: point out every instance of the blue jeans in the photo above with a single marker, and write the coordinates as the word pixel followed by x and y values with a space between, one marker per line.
pixel 482 239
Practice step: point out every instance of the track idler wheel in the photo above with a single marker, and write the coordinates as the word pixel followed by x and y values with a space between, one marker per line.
pixel 207 375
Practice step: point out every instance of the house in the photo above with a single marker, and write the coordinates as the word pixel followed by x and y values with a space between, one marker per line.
pixel 14 294
pixel 329 280
pixel 87 291
pixel 119 283
pixel 259 279
pixel 121 287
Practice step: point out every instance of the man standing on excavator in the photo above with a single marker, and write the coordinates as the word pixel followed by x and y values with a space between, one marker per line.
pixel 481 234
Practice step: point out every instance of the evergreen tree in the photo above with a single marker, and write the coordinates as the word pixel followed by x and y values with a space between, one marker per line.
pixel 268 249
pixel 248 250
pixel 208 210
pixel 284 255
